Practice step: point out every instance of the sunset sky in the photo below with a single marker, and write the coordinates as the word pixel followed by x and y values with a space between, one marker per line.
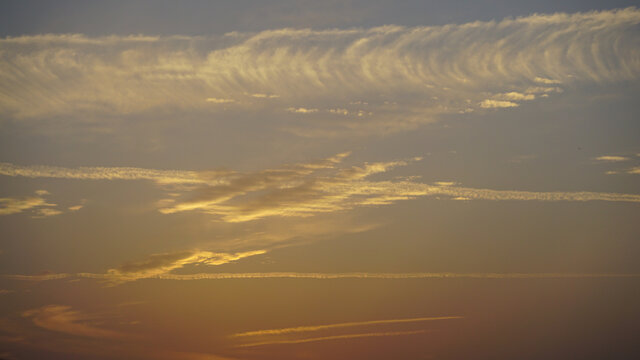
pixel 342 180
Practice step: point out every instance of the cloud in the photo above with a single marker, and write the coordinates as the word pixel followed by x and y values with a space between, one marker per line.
pixel 47 212
pixel 302 190
pixel 159 264
pixel 380 276
pixel 496 104
pixel 75 207
pixel 14 205
pixel 632 170
pixel 298 190
pixel 64 319
pixel 516 96
pixel 41 277
pixel 38 204
pixel 220 101
pixel 299 329
pixel 546 81
pixel 301 110
pixel 109 173
pixel 115 277
pixel 293 190
pixel 334 337
pixel 54 76
pixel 611 158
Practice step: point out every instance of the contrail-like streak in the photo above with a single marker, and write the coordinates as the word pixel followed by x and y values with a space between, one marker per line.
pixel 340 325
pixel 335 337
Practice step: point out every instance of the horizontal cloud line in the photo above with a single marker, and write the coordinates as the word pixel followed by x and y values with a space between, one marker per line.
pixel 300 190
pixel 327 276
pixel 335 337
pixel 103 173
pixel 364 275
pixel 340 325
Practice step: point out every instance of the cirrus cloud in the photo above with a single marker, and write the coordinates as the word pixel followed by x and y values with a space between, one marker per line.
pixel 392 69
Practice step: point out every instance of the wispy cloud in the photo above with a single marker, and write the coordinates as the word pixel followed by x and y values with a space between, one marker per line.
pixel 334 337
pixel 220 101
pixel 117 278
pixel 39 277
pixel 635 170
pixel 299 329
pixel 302 110
pixel 160 264
pixel 293 190
pixel 382 276
pixel 611 158
pixel 300 190
pixel 108 173
pixel 38 204
pixel 496 104
pixel 303 190
pixel 64 319
pixel 457 64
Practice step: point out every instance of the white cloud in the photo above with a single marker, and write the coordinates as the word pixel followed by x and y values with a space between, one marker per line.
pixel 110 173
pixel 159 264
pixel 38 204
pixel 47 212
pixel 546 81
pixel 333 337
pixel 53 75
pixel 298 190
pixel 64 319
pixel 301 110
pixel 310 328
pixel 514 95
pixel 220 101
pixel 495 104
pixel 611 158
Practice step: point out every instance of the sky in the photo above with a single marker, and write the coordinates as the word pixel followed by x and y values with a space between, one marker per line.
pixel 319 180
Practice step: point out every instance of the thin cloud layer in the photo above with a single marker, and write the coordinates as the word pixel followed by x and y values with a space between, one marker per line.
pixel 385 276
pixel 37 204
pixel 105 173
pixel 299 190
pixel 160 264
pixel 299 329
pixel 303 191
pixel 405 76
pixel 64 319
pixel 334 337
pixel 612 158
pixel 117 279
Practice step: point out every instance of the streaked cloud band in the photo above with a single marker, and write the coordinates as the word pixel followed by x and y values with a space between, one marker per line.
pixel 299 329
pixel 462 66
pixel 333 337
